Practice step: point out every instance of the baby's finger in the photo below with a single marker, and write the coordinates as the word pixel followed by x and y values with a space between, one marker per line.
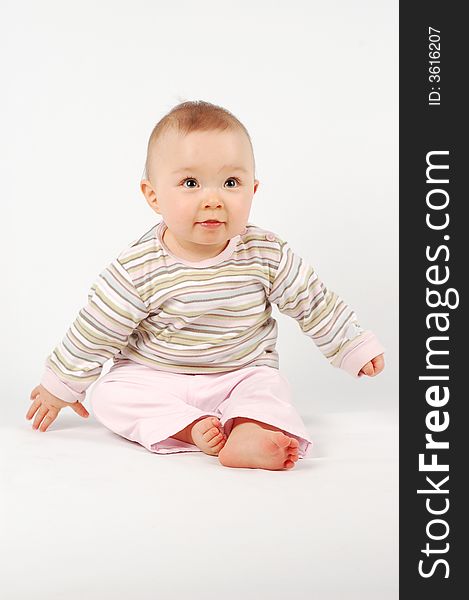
pixel 34 393
pixel 32 409
pixel 368 369
pixel 48 419
pixel 378 363
pixel 41 413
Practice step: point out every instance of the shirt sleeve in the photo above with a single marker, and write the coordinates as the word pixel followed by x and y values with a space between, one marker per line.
pixel 321 313
pixel 101 329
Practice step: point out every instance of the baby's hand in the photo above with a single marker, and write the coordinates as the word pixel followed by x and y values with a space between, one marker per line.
pixel 48 407
pixel 373 367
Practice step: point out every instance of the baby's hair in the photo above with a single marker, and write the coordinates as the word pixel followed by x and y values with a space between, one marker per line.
pixel 194 115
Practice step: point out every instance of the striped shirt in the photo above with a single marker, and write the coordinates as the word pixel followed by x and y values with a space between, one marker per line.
pixel 211 316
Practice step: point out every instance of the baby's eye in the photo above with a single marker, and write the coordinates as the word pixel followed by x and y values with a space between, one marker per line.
pixel 192 179
pixel 188 179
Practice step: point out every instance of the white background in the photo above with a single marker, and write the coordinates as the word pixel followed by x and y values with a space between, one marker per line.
pixel 316 86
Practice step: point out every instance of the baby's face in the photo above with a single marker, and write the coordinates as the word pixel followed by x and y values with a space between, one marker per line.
pixel 199 176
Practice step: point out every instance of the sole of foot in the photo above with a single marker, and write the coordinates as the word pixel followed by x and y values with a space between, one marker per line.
pixel 258 448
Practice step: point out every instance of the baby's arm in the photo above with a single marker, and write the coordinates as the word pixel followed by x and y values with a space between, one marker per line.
pixel 101 329
pixel 323 315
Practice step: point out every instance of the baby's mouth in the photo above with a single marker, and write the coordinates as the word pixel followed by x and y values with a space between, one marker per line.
pixel 210 223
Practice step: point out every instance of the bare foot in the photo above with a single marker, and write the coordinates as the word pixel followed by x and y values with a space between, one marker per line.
pixel 258 445
pixel 208 435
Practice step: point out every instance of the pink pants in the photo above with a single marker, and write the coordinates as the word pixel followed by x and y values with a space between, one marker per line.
pixel 148 406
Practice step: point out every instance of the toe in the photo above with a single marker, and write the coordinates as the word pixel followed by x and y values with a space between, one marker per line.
pixel 215 440
pixel 211 433
pixel 282 440
pixel 289 464
pixel 214 450
pixel 220 445
pixel 204 425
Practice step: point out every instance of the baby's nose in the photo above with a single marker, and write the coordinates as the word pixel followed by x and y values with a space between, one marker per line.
pixel 213 200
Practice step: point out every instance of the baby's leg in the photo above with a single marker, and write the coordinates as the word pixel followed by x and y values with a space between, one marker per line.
pixel 149 407
pixel 258 445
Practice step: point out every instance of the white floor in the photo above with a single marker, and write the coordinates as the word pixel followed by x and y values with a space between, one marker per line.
pixel 88 514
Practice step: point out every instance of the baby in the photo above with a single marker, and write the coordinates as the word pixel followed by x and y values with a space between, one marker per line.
pixel 185 310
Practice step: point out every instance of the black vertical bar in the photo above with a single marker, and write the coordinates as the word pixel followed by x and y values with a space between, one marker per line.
pixel 430 253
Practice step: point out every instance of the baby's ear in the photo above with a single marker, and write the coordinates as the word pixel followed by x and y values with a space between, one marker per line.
pixel 150 194
pixel 144 184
